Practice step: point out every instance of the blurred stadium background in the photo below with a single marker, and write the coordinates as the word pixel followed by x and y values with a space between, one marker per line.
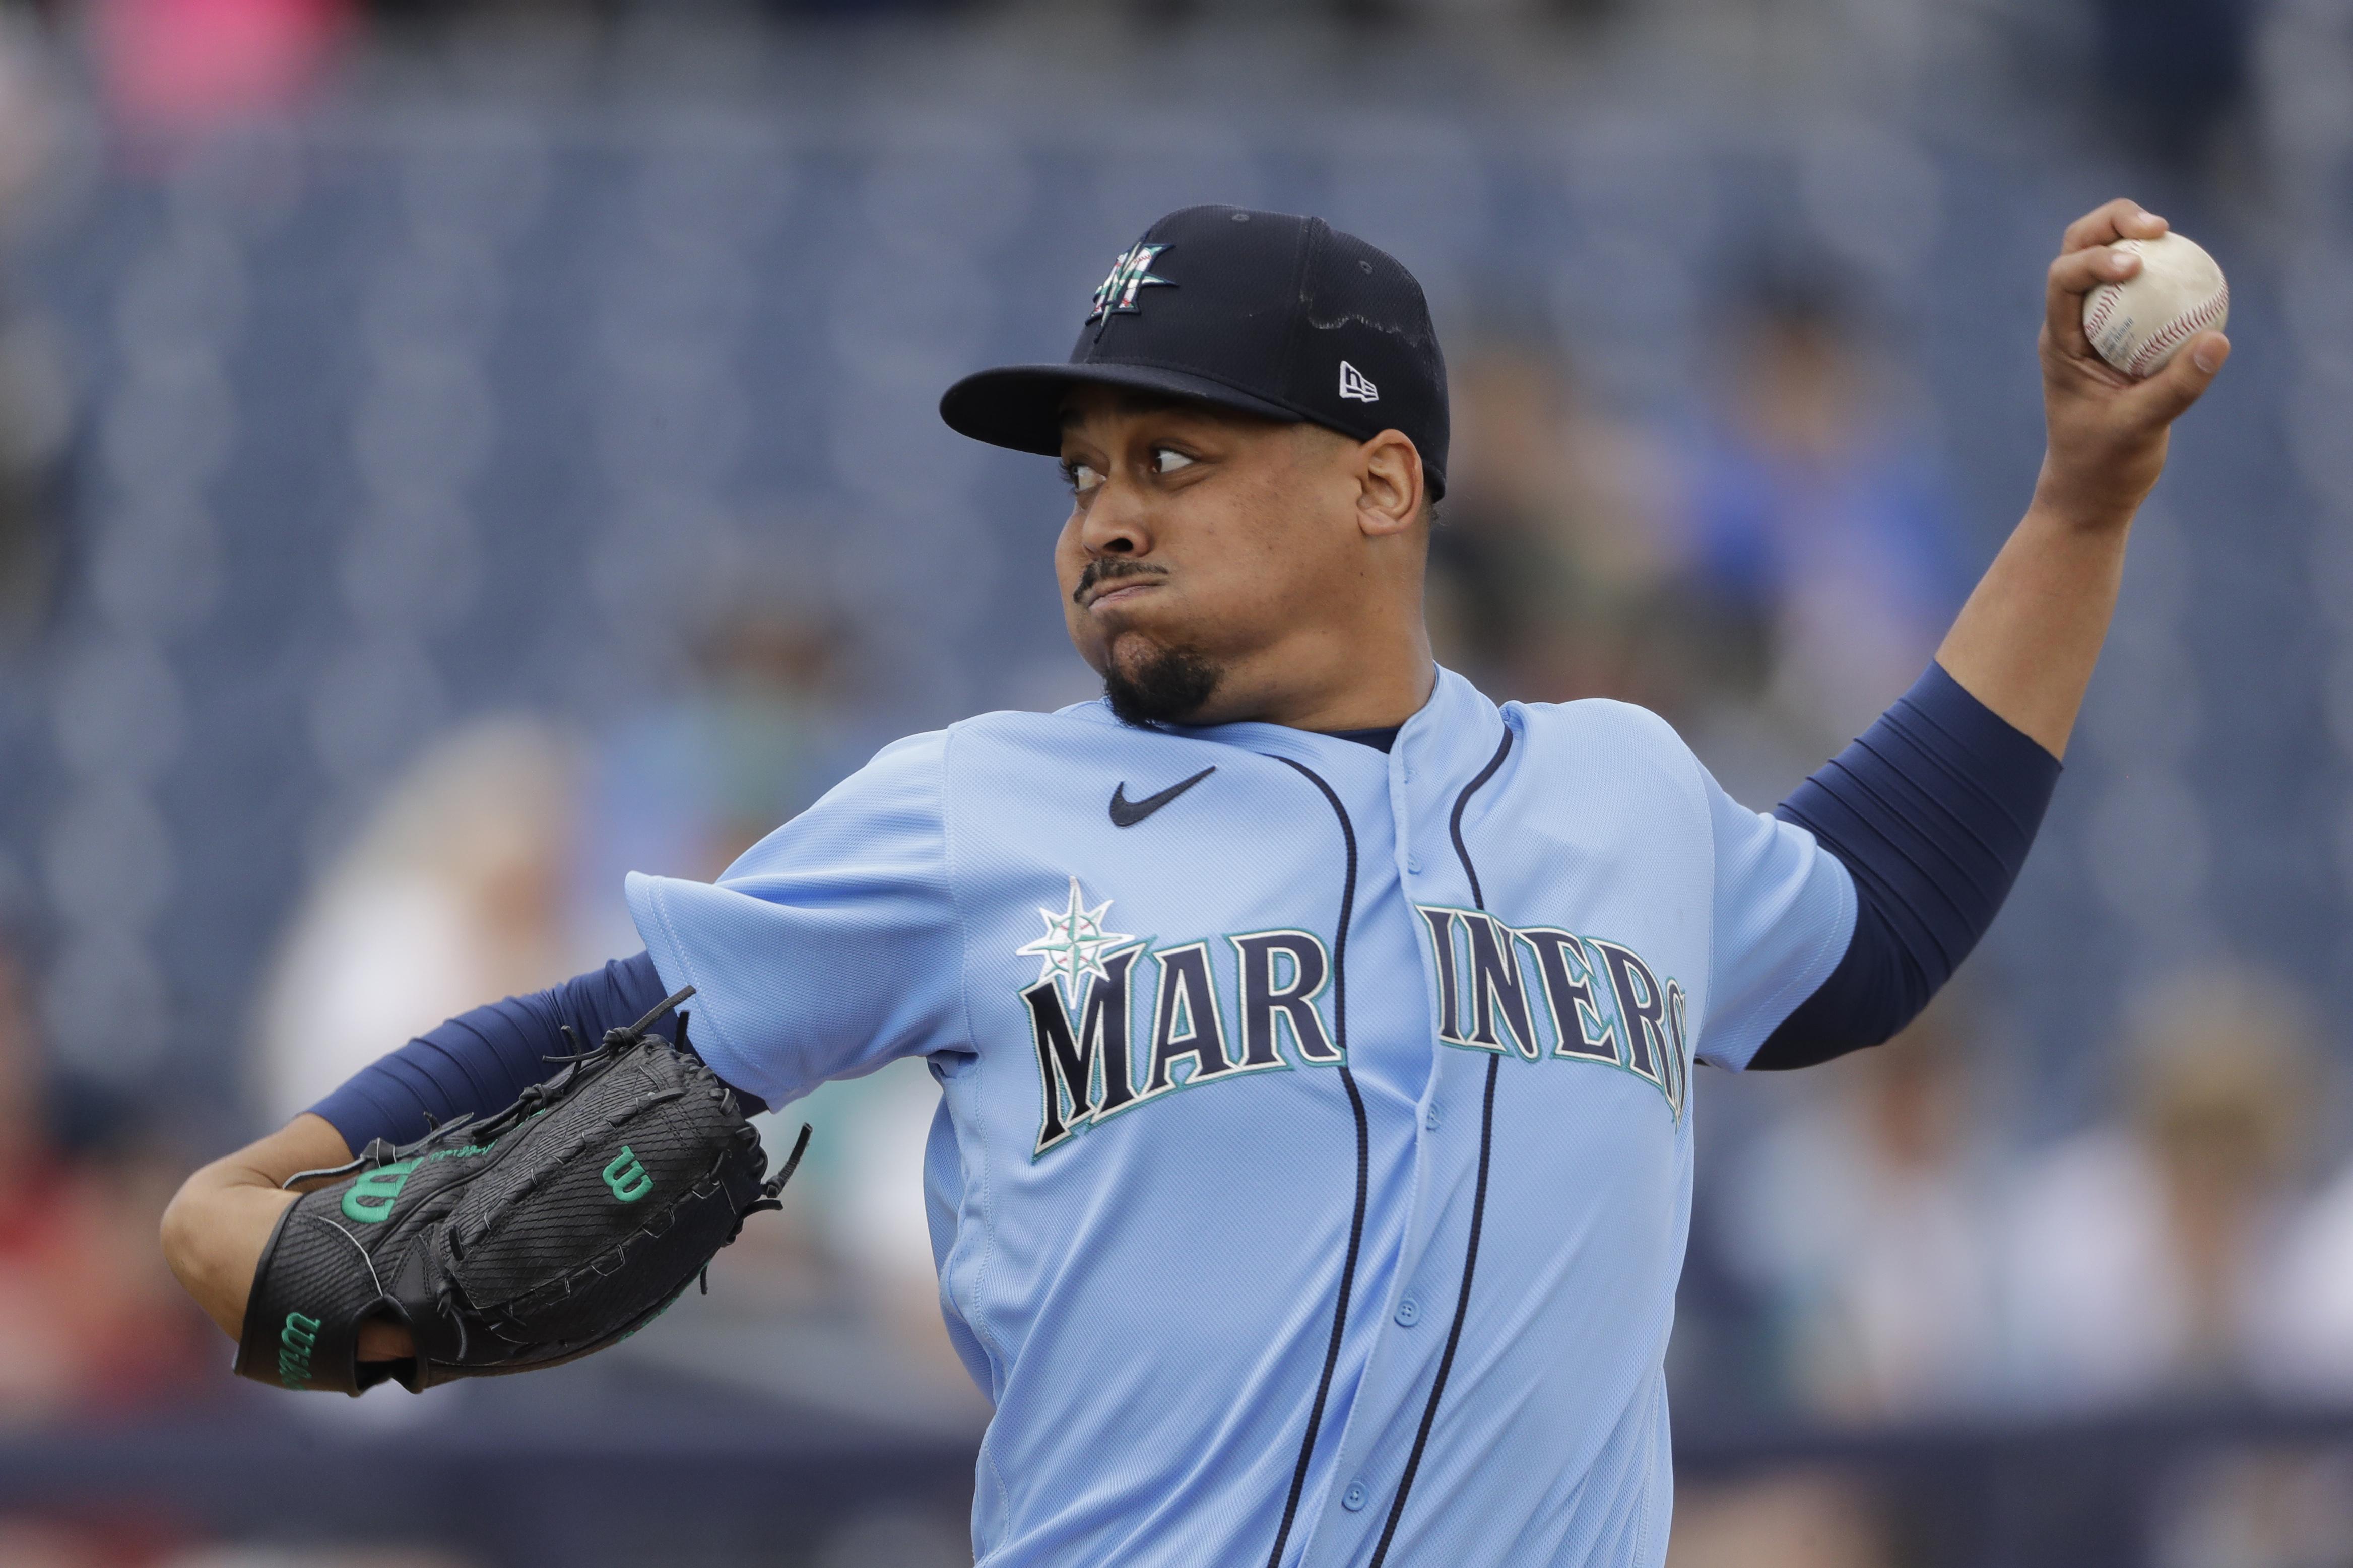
pixel 452 453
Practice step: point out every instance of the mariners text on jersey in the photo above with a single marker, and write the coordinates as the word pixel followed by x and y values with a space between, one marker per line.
pixel 1313 1167
pixel 1539 991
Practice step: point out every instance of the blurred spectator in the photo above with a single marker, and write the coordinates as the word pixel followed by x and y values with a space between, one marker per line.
pixel 1550 566
pixel 2148 1259
pixel 1791 1520
pixel 256 1556
pixel 2313 1359
pixel 858 9
pixel 1818 516
pixel 139 1541
pixel 1862 1221
pixel 705 779
pixel 89 1318
pixel 35 416
pixel 881 1224
pixel 35 406
pixel 37 1240
pixel 29 104
pixel 30 1542
pixel 2254 1508
pixel 177 66
pixel 452 896
pixel 682 790
pixel 897 1537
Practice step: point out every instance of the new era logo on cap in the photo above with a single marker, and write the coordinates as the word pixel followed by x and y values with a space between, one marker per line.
pixel 1354 384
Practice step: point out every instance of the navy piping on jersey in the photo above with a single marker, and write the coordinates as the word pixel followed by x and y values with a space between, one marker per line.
pixel 1364 1162
pixel 1479 1193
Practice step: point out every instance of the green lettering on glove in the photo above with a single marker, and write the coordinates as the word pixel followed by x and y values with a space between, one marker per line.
pixel 627 1178
pixel 370 1198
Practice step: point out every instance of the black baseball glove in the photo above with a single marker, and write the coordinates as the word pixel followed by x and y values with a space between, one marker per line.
pixel 557 1228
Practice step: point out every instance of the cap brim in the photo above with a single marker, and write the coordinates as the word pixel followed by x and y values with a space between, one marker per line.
pixel 1020 405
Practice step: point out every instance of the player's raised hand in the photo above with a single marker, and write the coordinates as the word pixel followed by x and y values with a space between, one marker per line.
pixel 2107 430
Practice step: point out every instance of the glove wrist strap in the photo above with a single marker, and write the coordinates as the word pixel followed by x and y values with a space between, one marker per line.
pixel 303 1317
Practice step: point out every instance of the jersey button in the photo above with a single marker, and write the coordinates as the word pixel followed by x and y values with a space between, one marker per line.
pixel 1408 1313
pixel 1430 1121
pixel 1413 863
pixel 1356 1497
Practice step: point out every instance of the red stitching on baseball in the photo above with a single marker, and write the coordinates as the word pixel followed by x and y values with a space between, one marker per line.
pixel 2179 331
pixel 2102 307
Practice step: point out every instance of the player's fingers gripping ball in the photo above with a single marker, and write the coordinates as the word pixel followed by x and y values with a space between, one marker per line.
pixel 558 1228
pixel 2139 325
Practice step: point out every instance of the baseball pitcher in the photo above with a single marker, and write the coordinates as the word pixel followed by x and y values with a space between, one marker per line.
pixel 1316 1036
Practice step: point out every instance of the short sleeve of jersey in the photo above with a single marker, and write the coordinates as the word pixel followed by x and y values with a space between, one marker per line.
pixel 832 946
pixel 1784 914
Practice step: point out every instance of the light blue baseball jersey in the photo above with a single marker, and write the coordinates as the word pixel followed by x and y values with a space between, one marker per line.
pixel 1313 1164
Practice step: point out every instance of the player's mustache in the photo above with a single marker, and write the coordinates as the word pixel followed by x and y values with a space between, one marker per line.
pixel 1112 570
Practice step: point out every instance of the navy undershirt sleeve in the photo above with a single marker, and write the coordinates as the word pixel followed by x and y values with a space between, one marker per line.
pixel 1932 813
pixel 480 1062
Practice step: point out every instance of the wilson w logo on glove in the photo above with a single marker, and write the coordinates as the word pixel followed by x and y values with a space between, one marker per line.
pixel 499 1243
pixel 369 1200
pixel 626 1176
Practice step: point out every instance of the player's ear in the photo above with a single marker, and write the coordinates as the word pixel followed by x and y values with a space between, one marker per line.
pixel 1389 484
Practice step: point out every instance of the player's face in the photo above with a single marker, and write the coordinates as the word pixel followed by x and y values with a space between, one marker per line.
pixel 1200 545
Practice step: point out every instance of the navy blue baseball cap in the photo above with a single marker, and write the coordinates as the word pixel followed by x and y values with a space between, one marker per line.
pixel 1270 313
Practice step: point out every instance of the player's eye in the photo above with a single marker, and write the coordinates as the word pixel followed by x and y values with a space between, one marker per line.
pixel 1081 477
pixel 1167 460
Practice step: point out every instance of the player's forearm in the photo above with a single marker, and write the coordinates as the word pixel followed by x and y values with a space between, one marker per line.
pixel 475 1063
pixel 219 1221
pixel 2026 642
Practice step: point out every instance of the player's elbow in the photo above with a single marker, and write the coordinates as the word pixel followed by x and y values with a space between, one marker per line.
pixel 187 1227
pixel 214 1227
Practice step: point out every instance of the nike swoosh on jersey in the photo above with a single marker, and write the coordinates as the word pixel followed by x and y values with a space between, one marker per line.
pixel 1126 813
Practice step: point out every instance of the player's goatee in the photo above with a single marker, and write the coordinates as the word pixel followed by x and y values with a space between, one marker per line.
pixel 1166 686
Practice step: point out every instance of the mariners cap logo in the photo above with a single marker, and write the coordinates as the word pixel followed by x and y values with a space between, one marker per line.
pixel 1116 294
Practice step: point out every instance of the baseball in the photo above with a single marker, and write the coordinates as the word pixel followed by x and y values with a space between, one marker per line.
pixel 2138 324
